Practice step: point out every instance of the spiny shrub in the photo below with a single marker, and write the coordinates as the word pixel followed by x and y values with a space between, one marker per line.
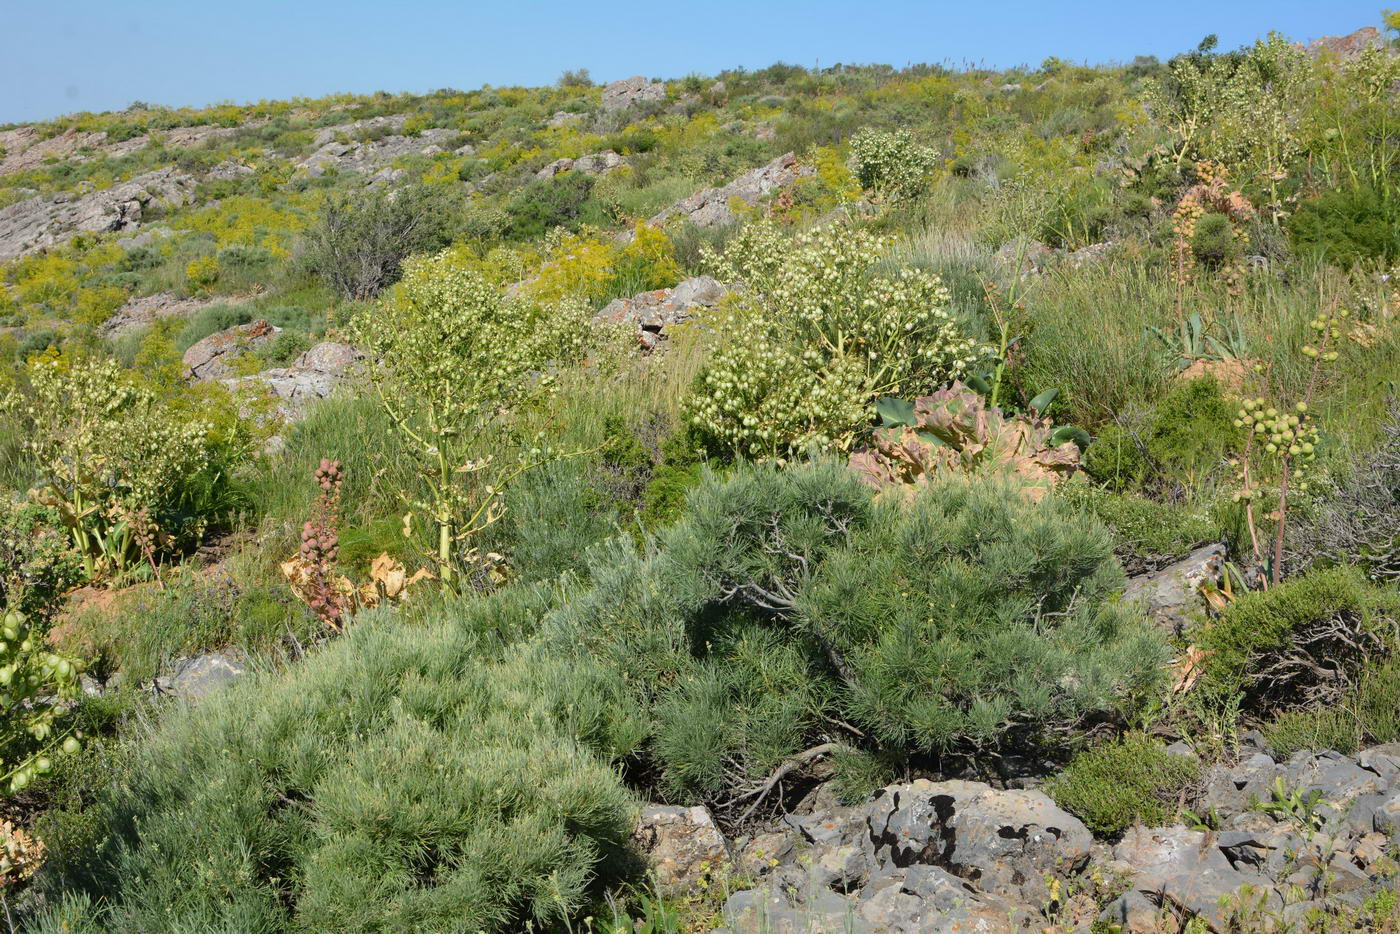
pixel 398 780
pixel 1370 713
pixel 359 242
pixel 1356 519
pixel 1114 785
pixel 820 331
pixel 891 164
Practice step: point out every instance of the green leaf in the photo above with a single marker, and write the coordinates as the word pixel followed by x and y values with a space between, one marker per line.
pixel 1042 402
pixel 978 384
pixel 1070 433
pixel 895 412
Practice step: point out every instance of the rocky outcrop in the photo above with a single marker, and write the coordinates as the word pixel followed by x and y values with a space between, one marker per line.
pixel 653 312
pixel 963 856
pixel 1035 257
pixel 1172 596
pixel 922 856
pixel 214 356
pixel 370 155
pixel 598 163
pixel 48 220
pixel 145 311
pixel 634 90
pixel 711 207
pixel 563 118
pixel 1350 46
pixel 314 376
pixel 25 148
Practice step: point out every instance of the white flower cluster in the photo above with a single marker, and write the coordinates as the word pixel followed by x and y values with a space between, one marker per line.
pixel 819 331
pixel 891 164
pixel 453 348
pixel 104 441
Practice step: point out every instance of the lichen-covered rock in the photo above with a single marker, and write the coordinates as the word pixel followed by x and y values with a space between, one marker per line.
pixel 312 377
pixel 682 845
pixel 1172 595
pixel 213 357
pixel 634 90
pixel 653 312
pixel 597 163
pixel 711 207
pixel 142 312
pixel 193 679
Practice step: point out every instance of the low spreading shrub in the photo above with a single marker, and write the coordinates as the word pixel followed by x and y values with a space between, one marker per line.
pixel 1114 785
pixel 397 780
pixel 1347 226
pixel 784 601
pixel 891 164
pixel 1303 641
pixel 1181 442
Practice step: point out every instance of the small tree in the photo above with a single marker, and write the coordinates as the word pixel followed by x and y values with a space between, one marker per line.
pixel 456 362
pixel 360 242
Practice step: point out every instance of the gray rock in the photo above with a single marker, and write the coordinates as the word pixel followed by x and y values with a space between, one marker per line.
pixel 371 155
pixel 598 163
pixel 193 679
pixel 227 171
pixel 49 220
pixel 1185 869
pixel 213 357
pixel 635 90
pixel 682 845
pixel 1171 597
pixel 313 377
pixel 654 312
pixel 1006 842
pixel 563 118
pixel 142 312
pixel 710 207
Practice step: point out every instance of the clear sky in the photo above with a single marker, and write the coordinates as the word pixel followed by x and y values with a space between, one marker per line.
pixel 61 56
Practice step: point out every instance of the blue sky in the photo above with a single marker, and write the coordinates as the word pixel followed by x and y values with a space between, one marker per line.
pixel 63 56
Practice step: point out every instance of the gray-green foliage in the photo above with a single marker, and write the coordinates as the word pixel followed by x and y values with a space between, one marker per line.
pixel 404 778
pixel 787 600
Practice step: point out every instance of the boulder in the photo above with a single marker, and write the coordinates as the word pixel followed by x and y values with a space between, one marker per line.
pixel 1349 46
pixel 653 312
pixel 1187 872
pixel 213 357
pixel 193 679
pixel 1005 842
pixel 314 376
pixel 562 118
pixel 142 312
pixel 711 207
pixel 48 220
pixel 371 155
pixel 1171 596
pixel 634 90
pixel 682 845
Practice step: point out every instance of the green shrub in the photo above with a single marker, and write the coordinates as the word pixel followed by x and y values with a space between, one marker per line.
pixel 891 164
pixel 399 779
pixel 38 565
pixel 926 625
pixel 360 241
pixel 821 329
pixel 1114 785
pixel 1144 530
pixel 1182 441
pixel 1309 634
pixel 1370 713
pixel 1214 242
pixel 540 206
pixel 1347 226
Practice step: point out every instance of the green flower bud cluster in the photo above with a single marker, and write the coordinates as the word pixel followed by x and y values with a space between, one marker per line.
pixel 37 687
pixel 1285 435
pixel 819 330
pixel 1327 326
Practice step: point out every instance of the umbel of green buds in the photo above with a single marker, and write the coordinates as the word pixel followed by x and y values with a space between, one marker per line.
pixel 36 686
